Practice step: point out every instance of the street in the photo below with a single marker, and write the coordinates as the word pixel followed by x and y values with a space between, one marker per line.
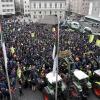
pixel 37 95
pixel 88 24
pixel 29 95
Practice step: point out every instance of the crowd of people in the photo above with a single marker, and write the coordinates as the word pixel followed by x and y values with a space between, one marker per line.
pixel 29 51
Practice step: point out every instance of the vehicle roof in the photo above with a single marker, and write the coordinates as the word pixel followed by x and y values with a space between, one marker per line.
pixel 80 74
pixel 75 22
pixel 96 34
pixel 97 72
pixel 87 28
pixel 52 78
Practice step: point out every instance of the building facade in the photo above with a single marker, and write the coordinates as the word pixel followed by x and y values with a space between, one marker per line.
pixel 94 8
pixel 17 6
pixel 25 7
pixel 79 6
pixel 40 8
pixel 7 7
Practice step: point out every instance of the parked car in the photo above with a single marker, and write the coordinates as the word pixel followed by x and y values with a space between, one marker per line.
pixel 87 30
pixel 75 25
pixel 97 25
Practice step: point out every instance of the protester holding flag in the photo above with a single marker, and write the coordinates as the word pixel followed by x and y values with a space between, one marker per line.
pixel 38 51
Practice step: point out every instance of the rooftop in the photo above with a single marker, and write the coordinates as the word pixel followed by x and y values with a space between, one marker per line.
pixel 80 75
pixel 52 78
pixel 47 0
pixel 97 72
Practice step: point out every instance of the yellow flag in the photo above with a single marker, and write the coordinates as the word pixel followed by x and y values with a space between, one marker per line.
pixel 98 42
pixel 91 38
pixel 32 34
pixel 53 29
pixel 97 83
pixel 19 72
pixel 12 49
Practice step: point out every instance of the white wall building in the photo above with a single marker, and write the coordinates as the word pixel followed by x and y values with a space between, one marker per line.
pixel 79 6
pixel 94 8
pixel 17 6
pixel 25 6
pixel 40 8
pixel 7 7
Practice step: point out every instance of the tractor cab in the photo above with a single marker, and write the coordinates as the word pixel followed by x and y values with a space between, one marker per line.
pixel 96 83
pixel 81 83
pixel 81 79
pixel 49 90
pixel 97 72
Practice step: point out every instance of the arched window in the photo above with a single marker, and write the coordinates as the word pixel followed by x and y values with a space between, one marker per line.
pixel 60 5
pixel 45 5
pixel 39 5
pixel 55 5
pixel 50 5
pixel 34 5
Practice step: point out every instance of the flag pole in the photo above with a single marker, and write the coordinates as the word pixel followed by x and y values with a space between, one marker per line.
pixel 56 94
pixel 5 61
pixel 9 88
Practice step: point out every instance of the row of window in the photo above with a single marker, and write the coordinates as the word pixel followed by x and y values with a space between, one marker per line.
pixel 84 0
pixel 10 5
pixel 6 0
pixel 26 6
pixel 8 10
pixel 42 16
pixel 27 10
pixel 45 5
pixel 40 12
pixel 85 3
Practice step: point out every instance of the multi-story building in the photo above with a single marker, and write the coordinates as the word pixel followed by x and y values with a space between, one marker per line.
pixel 94 8
pixel 7 7
pixel 17 6
pixel 25 7
pixel 40 8
pixel 78 6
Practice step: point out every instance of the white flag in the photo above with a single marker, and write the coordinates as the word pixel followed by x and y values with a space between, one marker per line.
pixel 55 65
pixel 53 54
pixel 4 54
pixel 5 59
pixel 0 28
